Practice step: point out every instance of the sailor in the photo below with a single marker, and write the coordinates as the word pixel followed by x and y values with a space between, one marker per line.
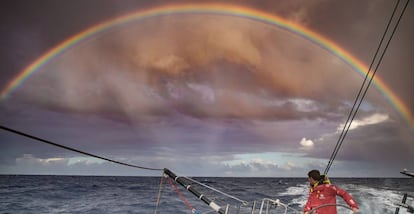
pixel 322 195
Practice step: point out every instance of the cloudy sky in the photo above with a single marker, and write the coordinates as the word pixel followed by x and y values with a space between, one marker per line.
pixel 204 94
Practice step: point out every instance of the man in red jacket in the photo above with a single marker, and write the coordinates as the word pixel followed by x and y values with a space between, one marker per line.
pixel 322 192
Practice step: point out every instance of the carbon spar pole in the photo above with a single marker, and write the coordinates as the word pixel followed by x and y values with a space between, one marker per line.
pixel 200 196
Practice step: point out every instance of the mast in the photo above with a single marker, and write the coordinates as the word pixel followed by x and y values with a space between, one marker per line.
pixel 200 196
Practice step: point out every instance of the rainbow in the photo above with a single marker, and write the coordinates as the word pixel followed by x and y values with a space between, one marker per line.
pixel 220 9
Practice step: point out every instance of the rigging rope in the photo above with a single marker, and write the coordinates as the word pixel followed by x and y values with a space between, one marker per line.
pixel 363 89
pixel 75 150
pixel 159 195
pixel 216 190
pixel 113 161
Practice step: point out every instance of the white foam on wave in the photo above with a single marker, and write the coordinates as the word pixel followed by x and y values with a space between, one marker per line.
pixel 373 200
pixel 300 192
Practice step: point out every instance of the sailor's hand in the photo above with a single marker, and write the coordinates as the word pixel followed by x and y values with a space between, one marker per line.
pixel 355 210
pixel 305 212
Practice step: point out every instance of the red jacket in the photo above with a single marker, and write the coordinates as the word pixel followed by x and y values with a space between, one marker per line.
pixel 326 194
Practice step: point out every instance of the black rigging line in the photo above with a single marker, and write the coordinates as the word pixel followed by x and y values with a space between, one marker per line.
pixel 344 130
pixel 359 100
pixel 75 150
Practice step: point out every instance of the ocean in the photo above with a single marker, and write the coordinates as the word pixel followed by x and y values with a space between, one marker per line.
pixel 116 194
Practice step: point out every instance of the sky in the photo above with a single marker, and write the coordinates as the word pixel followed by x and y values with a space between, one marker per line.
pixel 214 93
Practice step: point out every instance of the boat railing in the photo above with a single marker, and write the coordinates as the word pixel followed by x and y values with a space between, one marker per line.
pixel 403 204
pixel 268 206
pixel 268 203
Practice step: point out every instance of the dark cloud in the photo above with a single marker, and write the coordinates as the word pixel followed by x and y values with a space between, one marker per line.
pixel 164 72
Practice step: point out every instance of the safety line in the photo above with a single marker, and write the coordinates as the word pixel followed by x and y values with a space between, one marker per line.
pixel 216 190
